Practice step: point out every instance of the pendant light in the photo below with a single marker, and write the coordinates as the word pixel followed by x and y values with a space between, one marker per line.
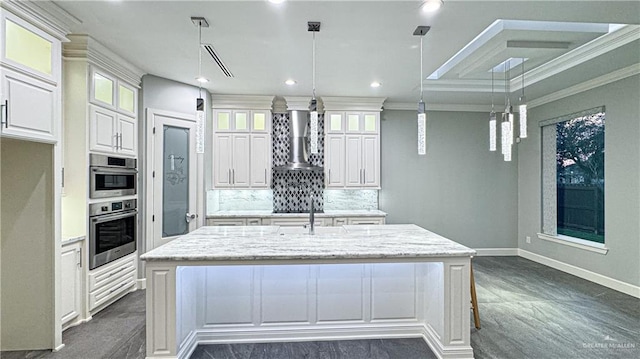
pixel 422 115
pixel 313 27
pixel 507 119
pixel 492 120
pixel 200 115
pixel 522 108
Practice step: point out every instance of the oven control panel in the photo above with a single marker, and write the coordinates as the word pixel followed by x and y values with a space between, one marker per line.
pixel 97 209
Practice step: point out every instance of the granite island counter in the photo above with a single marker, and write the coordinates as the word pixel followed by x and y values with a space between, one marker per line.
pixel 266 283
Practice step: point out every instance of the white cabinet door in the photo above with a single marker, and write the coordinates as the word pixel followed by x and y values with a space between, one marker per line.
pixel 222 146
pixel 127 136
pixel 29 108
pixel 353 164
pixel 334 160
pixel 70 290
pixel 370 161
pixel 240 171
pixel 260 160
pixel 103 130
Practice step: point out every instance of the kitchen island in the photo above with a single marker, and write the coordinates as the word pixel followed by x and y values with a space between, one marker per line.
pixel 266 283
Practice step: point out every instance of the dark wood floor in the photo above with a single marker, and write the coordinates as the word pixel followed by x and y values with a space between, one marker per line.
pixel 527 311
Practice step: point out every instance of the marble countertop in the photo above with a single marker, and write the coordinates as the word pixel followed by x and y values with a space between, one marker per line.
pixel 266 243
pixel 66 240
pixel 270 214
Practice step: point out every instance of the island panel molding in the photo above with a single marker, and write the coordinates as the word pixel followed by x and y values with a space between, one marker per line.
pixel 394 281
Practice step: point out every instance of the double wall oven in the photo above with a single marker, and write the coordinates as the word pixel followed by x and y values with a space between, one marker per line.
pixel 113 222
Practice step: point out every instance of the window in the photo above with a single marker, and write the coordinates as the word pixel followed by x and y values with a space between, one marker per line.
pixel 573 175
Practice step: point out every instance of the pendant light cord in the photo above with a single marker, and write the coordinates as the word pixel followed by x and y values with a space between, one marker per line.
pixel 421 76
pixel 523 77
pixel 506 83
pixel 492 108
pixel 313 62
pixel 200 57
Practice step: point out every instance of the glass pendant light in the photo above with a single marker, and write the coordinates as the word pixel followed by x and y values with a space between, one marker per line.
pixel 507 119
pixel 313 106
pixel 200 115
pixel 492 121
pixel 522 109
pixel 422 115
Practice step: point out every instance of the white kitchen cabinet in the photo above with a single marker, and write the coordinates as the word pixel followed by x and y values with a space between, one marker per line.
pixel 110 92
pixel 71 283
pixel 286 221
pixel 235 221
pixel 334 160
pixel 352 152
pixel 260 165
pixel 365 220
pixel 111 132
pixel 29 93
pixel 110 282
pixel 30 108
pixel 231 160
pixel 242 148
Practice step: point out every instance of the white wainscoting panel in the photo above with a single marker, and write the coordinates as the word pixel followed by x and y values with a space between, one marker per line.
pixel 284 293
pixel 393 287
pixel 230 295
pixel 340 292
pixel 434 297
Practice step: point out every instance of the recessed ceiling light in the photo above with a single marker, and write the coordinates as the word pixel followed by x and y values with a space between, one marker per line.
pixel 202 79
pixel 290 82
pixel 375 84
pixel 431 5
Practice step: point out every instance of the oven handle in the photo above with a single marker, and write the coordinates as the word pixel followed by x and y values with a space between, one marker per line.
pixel 111 217
pixel 114 170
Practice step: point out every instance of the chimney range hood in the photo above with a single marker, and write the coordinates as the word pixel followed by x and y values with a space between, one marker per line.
pixel 299 142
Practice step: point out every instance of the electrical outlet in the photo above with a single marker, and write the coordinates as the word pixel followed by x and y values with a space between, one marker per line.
pixel 528 239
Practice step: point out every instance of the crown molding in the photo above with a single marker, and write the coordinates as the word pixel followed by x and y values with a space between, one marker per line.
pixel 297 102
pixel 46 15
pixel 353 103
pixel 84 47
pixel 411 106
pixel 584 53
pixel 587 85
pixel 242 102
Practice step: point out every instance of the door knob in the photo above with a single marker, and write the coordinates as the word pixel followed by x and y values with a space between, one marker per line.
pixel 189 216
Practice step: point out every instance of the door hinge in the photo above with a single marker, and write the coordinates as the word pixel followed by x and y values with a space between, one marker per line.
pixel 154 130
pixel 153 174
pixel 153 218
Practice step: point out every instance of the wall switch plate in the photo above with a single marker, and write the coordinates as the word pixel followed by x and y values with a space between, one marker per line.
pixel 528 239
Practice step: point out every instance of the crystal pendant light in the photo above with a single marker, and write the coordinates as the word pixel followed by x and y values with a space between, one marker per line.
pixel 507 119
pixel 492 121
pixel 313 106
pixel 200 115
pixel 422 115
pixel 522 109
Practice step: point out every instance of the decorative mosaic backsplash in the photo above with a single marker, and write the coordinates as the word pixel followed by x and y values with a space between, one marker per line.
pixel 292 188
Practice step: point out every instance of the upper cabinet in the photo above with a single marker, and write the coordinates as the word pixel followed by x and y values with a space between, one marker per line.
pixel 110 92
pixel 241 141
pixel 352 142
pixel 30 81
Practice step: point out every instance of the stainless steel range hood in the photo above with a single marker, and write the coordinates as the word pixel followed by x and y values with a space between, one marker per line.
pixel 299 142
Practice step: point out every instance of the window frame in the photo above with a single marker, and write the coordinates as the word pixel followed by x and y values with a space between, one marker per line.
pixel 546 223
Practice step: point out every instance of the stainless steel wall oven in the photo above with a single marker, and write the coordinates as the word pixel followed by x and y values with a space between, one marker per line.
pixel 112 231
pixel 112 176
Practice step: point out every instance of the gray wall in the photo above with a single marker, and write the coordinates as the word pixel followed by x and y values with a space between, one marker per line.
pixel 458 189
pixel 622 182
pixel 163 94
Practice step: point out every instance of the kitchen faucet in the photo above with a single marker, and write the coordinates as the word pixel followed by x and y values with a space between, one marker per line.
pixel 311 214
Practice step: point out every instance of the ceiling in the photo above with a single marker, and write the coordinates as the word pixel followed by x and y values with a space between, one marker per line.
pixel 264 44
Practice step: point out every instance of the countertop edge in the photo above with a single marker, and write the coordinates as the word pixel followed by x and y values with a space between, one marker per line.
pixel 71 240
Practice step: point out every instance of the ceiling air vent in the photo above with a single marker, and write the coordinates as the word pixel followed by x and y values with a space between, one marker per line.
pixel 217 59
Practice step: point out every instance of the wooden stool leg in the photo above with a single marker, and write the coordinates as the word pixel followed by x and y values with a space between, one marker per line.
pixel 474 301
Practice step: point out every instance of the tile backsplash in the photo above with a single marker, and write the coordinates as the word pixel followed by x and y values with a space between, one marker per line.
pixel 239 200
pixel 350 199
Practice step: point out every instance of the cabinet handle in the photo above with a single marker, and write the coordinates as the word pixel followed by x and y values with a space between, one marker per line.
pixel 120 136
pixel 364 176
pixel 5 114
pixel 118 271
pixel 265 176
pixel 233 175
pixel 329 177
pixel 120 286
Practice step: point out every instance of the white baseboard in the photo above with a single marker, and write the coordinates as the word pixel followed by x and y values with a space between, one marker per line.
pixel 609 282
pixel 480 252
pixel 141 283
